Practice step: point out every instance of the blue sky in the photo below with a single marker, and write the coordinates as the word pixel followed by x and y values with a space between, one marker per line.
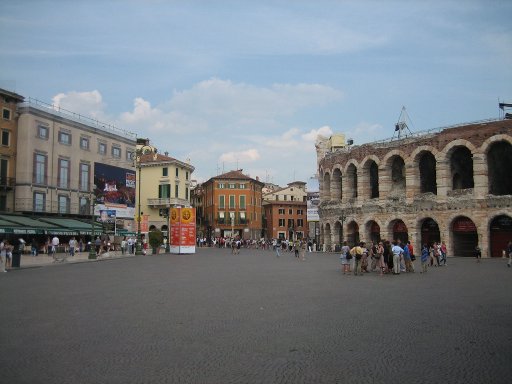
pixel 250 84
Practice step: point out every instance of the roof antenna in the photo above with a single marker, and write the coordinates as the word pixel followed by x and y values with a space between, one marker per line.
pixel 401 127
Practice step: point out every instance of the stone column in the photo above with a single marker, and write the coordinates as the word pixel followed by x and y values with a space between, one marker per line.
pixel 444 182
pixel 480 177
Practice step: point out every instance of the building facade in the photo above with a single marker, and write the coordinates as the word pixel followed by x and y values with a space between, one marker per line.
pixel 285 212
pixel 58 157
pixel 163 182
pixel 232 205
pixel 9 138
pixel 450 185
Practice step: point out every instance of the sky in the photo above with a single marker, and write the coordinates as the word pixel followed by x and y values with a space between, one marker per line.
pixel 250 84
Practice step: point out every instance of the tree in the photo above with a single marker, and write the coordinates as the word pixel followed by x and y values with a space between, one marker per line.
pixel 156 239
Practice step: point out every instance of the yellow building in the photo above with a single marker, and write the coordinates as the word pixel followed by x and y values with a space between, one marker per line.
pixel 162 182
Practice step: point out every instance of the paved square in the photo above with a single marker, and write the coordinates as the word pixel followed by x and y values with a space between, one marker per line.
pixel 214 317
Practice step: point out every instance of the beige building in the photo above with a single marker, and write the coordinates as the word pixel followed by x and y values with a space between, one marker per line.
pixel 57 154
pixel 8 144
pixel 450 184
pixel 165 182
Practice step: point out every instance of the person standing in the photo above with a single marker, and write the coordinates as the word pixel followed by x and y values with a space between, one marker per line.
pixel 3 253
pixel 123 245
pixel 397 251
pixel 443 253
pixel 509 253
pixel 478 254
pixel 72 246
pixel 55 244
pixel 425 254
pixel 276 247
pixel 357 253
pixel 345 258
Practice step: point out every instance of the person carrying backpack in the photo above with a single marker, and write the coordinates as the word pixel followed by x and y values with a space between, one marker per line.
pixel 357 253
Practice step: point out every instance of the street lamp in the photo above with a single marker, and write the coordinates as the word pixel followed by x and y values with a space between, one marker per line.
pixel 342 218
pixel 92 248
pixel 143 148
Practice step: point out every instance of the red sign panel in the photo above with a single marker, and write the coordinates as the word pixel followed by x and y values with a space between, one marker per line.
pixel 464 225
pixel 183 230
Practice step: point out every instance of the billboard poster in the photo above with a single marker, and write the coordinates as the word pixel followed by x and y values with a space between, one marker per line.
pixel 313 199
pixel 115 190
pixel 183 230
pixel 107 215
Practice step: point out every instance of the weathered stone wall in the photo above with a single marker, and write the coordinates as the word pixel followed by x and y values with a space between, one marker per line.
pixel 340 212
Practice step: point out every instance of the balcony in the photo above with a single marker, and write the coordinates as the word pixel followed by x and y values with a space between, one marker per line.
pixel 167 202
pixel 7 182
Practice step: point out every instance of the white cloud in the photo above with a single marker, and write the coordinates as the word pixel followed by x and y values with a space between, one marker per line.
pixel 313 134
pixel 248 155
pixel 89 104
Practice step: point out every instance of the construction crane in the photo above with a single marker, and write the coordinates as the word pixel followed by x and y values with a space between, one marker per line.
pixel 402 126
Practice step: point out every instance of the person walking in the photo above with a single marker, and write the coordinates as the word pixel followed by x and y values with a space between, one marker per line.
pixel 276 246
pixel 55 244
pixel 397 251
pixel 345 258
pixel 478 254
pixel 72 246
pixel 357 253
pixel 425 255
pixel 3 254
pixel 123 245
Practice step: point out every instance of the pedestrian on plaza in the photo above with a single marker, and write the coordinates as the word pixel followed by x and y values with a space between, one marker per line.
pixel 72 246
pixel 97 246
pixel 357 253
pixel 380 254
pixel 47 246
pixel 388 256
pixel 34 247
pixel 364 259
pixel 397 252
pixel 276 246
pixel 3 255
pixel 345 258
pixel 8 254
pixel 296 249
pixel 509 253
pixel 407 259
pixel 374 256
pixel 303 250
pixel 432 251
pixel 55 244
pixel 123 245
pixel 310 245
pixel 443 253
pixel 478 254
pixel 425 255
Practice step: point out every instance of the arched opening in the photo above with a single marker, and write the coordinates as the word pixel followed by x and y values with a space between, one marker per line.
pixel 399 230
pixel 152 228
pixel 430 232
pixel 373 231
pixel 428 178
pixel 353 233
pixel 397 174
pixel 499 159
pixel 327 235
pixel 336 191
pixel 352 181
pixel 374 180
pixel 327 186
pixel 500 234
pixel 164 230
pixel 338 239
pixel 465 237
pixel 461 164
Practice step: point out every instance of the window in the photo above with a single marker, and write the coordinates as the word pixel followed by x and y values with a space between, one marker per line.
pixel 290 223
pixel 3 203
pixel 102 148
pixel 176 191
pixel 220 219
pixel 281 222
pixel 186 193
pixel 222 201
pixel 221 186
pixel 164 191
pixel 84 176
pixel 186 175
pixel 84 143
pixel 285 197
pixel 290 211
pixel 63 204
pixel 6 114
pixel 64 138
pixel 64 172
pixel 300 222
pixel 84 206
pixel 242 202
pixel 165 171
pixel 42 131
pixel 5 138
pixel 231 201
pixel 39 175
pixel 116 152
pixel 231 186
pixel 242 186
pixel 300 212
pixel 39 202
pixel 177 172
pixel 243 220
pixel 129 155
pixel 281 211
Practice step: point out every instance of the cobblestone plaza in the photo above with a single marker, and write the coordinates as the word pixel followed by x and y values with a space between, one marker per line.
pixel 213 317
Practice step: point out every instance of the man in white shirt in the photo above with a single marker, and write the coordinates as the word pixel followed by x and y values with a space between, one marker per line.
pixel 397 251
pixel 55 244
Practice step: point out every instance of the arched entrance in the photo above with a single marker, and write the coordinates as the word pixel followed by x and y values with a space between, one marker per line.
pixel 352 233
pixel 327 235
pixel 499 159
pixel 373 231
pixel 430 232
pixel 337 236
pixel 400 231
pixel 465 237
pixel 500 234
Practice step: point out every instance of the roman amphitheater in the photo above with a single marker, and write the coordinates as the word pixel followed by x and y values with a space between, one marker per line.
pixel 450 184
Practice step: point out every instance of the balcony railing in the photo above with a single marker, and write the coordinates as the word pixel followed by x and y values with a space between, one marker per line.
pixel 166 202
pixel 7 182
pixel 235 222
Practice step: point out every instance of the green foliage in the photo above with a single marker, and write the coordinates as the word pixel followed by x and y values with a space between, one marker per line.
pixel 156 238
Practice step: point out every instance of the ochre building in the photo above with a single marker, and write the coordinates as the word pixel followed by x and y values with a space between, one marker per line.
pixel 452 185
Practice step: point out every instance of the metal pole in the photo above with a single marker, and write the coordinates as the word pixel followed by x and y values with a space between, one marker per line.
pixel 138 249
pixel 92 248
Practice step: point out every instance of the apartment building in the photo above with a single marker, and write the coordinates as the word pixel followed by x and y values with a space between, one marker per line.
pixel 232 205
pixel 8 144
pixel 285 212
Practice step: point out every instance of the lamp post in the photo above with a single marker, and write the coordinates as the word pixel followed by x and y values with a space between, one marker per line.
pixel 143 148
pixel 342 218
pixel 92 248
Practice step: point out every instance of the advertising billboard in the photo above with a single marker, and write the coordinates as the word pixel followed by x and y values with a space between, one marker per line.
pixel 115 190
pixel 183 230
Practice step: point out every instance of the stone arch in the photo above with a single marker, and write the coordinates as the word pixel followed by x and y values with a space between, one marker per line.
pixel 425 169
pixel 500 233
pixel 464 235
pixel 353 237
pixel 499 160
pixel 372 229
pixel 326 186
pixel 351 180
pixel 338 235
pixel 429 231
pixel 336 184
pixel 397 229
pixel 327 235
pixel 370 182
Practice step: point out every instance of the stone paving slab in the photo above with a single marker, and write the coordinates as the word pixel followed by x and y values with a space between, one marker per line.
pixel 213 317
